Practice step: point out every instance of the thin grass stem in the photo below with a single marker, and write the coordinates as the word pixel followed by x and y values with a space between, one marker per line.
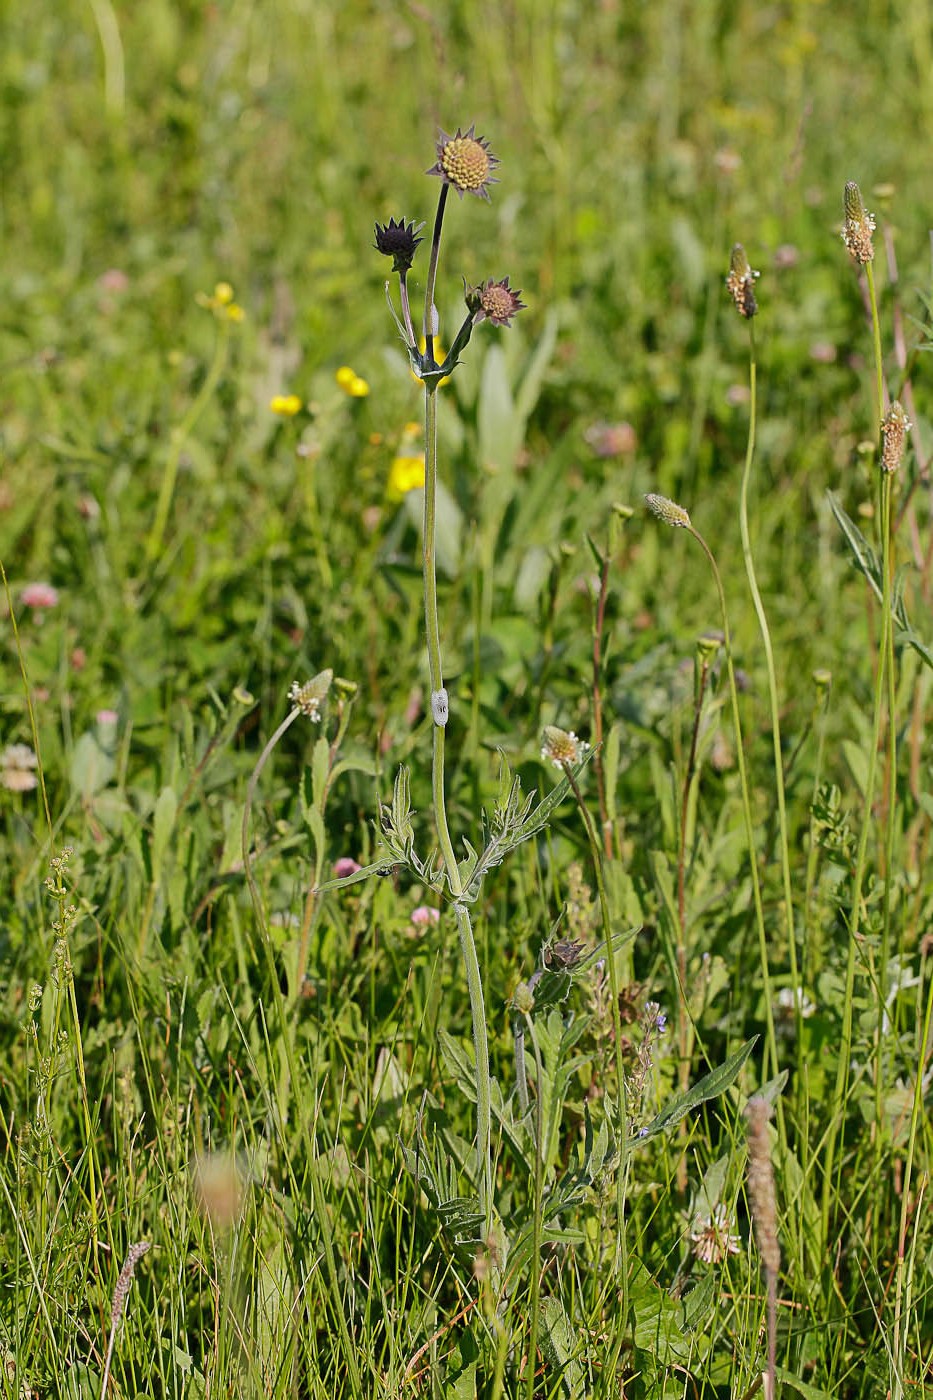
pixel 746 811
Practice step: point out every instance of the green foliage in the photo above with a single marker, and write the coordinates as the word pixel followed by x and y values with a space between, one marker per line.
pixel 259 1062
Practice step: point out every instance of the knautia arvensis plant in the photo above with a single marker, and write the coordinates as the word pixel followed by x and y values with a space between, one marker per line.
pixel 465 164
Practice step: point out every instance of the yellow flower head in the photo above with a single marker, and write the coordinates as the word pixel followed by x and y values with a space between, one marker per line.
pixel 465 162
pixel 351 383
pixel 285 405
pixel 221 303
pixel 405 474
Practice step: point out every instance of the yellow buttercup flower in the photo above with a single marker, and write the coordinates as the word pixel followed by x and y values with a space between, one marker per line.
pixel 405 474
pixel 285 405
pixel 352 384
pixel 221 303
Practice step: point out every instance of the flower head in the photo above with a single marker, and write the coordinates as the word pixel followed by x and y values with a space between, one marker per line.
pixel 405 474
pixel 668 511
pixel 309 696
pixel 711 1236
pixel 561 746
pixel 344 866
pixel 423 915
pixel 741 282
pixel 221 302
pixel 285 405
pixel 18 766
pixel 654 1018
pixel 565 953
pixel 859 225
pixel 494 301
pixel 466 162
pixel 894 429
pixel 351 383
pixel 398 241
pixel 39 595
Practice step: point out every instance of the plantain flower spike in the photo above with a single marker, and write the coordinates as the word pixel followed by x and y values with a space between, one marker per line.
pixel 859 225
pixel 741 282
pixel 895 425
pixel 668 511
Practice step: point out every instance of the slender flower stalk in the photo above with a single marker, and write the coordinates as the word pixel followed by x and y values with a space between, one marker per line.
pixel 673 514
pixel 707 647
pixel 743 274
pixel 893 427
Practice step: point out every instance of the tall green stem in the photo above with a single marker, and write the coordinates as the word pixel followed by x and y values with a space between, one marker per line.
pixel 885 663
pixel 887 563
pixel 432 632
pixel 746 810
pixel 861 862
pixel 772 690
pixel 461 912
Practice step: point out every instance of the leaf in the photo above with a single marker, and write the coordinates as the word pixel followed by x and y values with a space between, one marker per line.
pixel 448 525
pixel 320 760
pixel 560 1345
pixel 709 1087
pixel 908 636
pixel 657 1319
pixel 163 822
pixel 529 391
pixel 533 573
pixel 496 419
pixel 864 557
pixel 698 1305
pixel 857 760
pixel 381 867
pixel 92 766
pixel 458 1064
pixel 809 1392
pixel 866 561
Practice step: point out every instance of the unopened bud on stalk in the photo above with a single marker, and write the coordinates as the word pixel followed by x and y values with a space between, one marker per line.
pixel 822 680
pixel 708 645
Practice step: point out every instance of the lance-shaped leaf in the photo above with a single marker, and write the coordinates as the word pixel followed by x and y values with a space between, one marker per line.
pixel 709 1087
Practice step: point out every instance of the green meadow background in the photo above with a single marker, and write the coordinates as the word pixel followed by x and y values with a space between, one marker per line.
pixel 236 1082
